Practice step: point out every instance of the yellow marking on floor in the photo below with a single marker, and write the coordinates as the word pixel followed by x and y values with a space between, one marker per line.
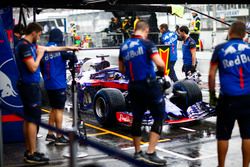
pixel 98 134
pixel 45 110
pixel 113 133
pixel 163 140
pixel 105 131
pixel 159 141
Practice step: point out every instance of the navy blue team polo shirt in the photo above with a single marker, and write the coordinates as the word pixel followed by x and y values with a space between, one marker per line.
pixel 24 51
pixel 233 59
pixel 136 53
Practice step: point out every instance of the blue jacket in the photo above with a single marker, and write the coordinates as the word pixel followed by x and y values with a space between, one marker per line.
pixel 170 38
pixel 53 65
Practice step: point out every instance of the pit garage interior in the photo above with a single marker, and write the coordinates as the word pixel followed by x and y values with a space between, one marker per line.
pixel 190 144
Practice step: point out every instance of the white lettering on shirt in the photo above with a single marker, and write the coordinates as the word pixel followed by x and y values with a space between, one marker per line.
pixel 240 59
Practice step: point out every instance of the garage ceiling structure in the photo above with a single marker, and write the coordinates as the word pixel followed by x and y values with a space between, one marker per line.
pixel 108 5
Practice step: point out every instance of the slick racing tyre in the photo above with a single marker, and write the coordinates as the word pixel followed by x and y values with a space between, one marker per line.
pixel 186 93
pixel 106 102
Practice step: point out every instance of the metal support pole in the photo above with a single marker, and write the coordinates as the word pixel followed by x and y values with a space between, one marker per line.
pixel 73 142
pixel 1 140
pixel 214 28
pixel 34 14
pixel 168 19
pixel 73 149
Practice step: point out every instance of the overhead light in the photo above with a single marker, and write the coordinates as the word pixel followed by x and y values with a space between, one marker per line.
pixel 85 2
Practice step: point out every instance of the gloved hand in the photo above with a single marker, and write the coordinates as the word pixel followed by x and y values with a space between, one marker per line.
pixel 212 98
pixel 193 69
pixel 160 73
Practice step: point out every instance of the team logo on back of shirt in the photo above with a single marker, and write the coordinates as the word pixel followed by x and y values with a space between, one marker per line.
pixel 240 56
pixel 235 48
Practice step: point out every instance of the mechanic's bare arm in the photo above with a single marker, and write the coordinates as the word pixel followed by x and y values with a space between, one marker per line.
pixel 32 64
pixel 121 67
pixel 60 48
pixel 193 53
pixel 211 76
pixel 158 62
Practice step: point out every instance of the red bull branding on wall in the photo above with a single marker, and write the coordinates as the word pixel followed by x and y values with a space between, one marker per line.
pixel 9 98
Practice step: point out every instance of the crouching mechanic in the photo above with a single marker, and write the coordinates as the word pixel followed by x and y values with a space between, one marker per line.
pixel 53 68
pixel 137 55
pixel 232 58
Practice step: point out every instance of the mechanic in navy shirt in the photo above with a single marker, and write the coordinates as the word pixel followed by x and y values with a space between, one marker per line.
pixel 53 68
pixel 18 32
pixel 28 56
pixel 188 51
pixel 232 59
pixel 170 38
pixel 136 60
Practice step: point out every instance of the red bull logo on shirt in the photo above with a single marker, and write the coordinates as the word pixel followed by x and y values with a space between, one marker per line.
pixel 241 58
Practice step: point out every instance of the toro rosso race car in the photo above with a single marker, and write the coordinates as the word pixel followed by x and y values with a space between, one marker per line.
pixel 104 89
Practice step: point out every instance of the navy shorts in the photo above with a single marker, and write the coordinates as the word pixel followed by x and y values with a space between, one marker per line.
pixel 146 96
pixel 230 109
pixel 57 98
pixel 31 97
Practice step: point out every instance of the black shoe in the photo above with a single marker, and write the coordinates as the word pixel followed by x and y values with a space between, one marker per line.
pixel 139 155
pixel 153 159
pixel 39 154
pixel 35 159
pixel 50 137
pixel 60 141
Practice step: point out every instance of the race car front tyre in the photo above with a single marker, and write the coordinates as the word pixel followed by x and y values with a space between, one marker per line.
pixel 186 93
pixel 106 102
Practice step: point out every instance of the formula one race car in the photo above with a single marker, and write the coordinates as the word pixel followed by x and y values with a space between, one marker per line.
pixel 105 91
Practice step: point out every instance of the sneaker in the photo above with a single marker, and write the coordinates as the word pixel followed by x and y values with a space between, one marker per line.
pixel 60 141
pixel 139 155
pixel 35 159
pixel 39 154
pixel 153 159
pixel 50 137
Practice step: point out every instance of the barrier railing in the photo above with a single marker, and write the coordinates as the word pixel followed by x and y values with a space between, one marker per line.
pixel 99 39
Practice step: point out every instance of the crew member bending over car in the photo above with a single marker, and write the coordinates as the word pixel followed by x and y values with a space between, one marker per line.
pixel 136 58
pixel 232 58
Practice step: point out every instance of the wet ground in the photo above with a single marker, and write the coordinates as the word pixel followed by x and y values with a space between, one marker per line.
pixel 190 145
pixel 187 145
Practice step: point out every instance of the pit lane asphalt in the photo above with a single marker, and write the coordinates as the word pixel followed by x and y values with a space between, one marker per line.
pixel 183 146
pixel 191 145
